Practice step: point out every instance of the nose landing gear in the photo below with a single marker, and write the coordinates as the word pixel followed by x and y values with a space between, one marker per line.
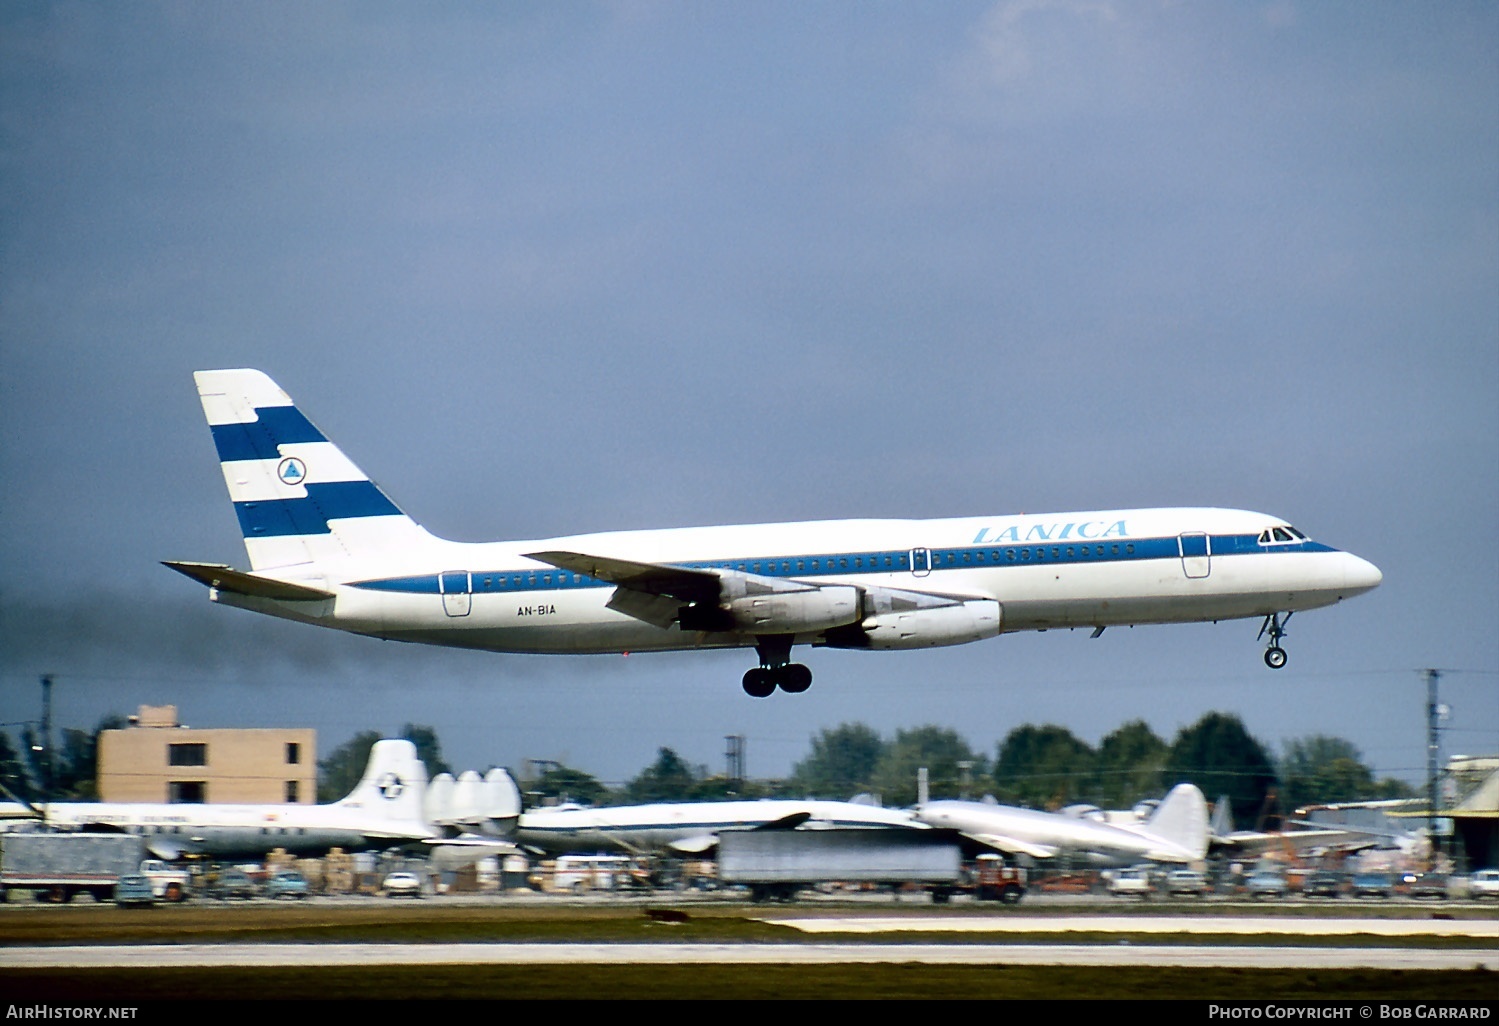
pixel 776 669
pixel 1275 628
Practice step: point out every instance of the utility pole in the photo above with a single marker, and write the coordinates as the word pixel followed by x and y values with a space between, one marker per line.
pixel 1434 712
pixel 734 760
pixel 46 759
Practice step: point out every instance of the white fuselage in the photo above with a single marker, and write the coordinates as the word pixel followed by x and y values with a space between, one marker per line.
pixel 229 831
pixel 657 827
pixel 1097 843
pixel 1094 569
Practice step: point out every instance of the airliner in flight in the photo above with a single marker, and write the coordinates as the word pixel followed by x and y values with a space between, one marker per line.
pixel 327 547
pixel 385 809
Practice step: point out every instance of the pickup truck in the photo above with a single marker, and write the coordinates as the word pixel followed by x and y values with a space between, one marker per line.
pixel 167 882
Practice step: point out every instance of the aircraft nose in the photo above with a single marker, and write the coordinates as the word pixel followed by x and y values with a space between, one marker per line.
pixel 1360 575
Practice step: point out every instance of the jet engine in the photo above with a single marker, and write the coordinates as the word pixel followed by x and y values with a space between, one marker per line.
pixel 901 620
pixel 764 605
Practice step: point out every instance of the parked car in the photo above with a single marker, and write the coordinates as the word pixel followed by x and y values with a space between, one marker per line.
pixel 286 884
pixel 402 885
pixel 1425 885
pixel 1373 885
pixel 233 883
pixel 1267 883
pixel 1132 883
pixel 1186 881
pixel 1484 884
pixel 1322 884
pixel 134 889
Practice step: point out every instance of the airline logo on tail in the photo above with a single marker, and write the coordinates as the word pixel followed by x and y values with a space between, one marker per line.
pixel 290 486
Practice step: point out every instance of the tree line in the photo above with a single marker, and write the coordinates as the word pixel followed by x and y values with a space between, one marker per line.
pixel 1042 767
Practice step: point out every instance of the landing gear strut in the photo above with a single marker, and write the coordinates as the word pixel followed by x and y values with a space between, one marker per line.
pixel 776 669
pixel 1275 628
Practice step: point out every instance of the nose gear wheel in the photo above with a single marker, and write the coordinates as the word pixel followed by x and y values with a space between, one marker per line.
pixel 1275 628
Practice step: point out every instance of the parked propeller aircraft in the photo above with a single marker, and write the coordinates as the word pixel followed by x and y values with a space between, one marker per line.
pixel 1176 832
pixel 1300 838
pixel 490 810
pixel 691 828
pixel 384 809
pixel 327 547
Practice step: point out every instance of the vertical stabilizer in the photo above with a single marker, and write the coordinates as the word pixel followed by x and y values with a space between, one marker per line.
pixel 394 783
pixel 1182 819
pixel 298 498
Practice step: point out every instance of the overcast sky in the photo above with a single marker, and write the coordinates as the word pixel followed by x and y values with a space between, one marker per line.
pixel 549 268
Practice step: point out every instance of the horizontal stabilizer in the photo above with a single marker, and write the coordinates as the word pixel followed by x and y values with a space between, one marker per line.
pixel 216 575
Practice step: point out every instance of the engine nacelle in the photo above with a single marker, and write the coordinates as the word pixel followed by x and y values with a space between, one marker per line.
pixel 796 612
pixel 927 627
pixel 759 605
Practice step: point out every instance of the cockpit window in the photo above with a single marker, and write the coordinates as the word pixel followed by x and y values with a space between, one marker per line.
pixel 1283 535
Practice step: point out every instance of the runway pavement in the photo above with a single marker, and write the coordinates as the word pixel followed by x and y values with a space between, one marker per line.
pixel 1127 950
pixel 250 955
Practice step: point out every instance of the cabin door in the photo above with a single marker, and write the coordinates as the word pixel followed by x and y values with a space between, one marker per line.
pixel 1196 552
pixel 456 597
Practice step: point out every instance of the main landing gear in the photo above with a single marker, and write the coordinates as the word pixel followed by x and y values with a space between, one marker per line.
pixel 776 669
pixel 1275 628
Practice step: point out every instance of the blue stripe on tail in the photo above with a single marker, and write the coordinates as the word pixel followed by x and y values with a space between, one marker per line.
pixel 334 500
pixel 258 440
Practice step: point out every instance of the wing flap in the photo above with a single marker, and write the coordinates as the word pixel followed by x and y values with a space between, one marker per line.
pixel 656 610
pixel 225 578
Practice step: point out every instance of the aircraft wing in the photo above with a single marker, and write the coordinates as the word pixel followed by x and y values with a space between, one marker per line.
pixel 489 845
pixel 694 845
pixel 1014 845
pixel 674 582
pixel 225 578
pixel 651 592
pixel 454 853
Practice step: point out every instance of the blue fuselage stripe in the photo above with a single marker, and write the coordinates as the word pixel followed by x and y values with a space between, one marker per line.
pixel 881 562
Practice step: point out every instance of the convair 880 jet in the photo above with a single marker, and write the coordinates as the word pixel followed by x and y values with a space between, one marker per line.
pixel 327 547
